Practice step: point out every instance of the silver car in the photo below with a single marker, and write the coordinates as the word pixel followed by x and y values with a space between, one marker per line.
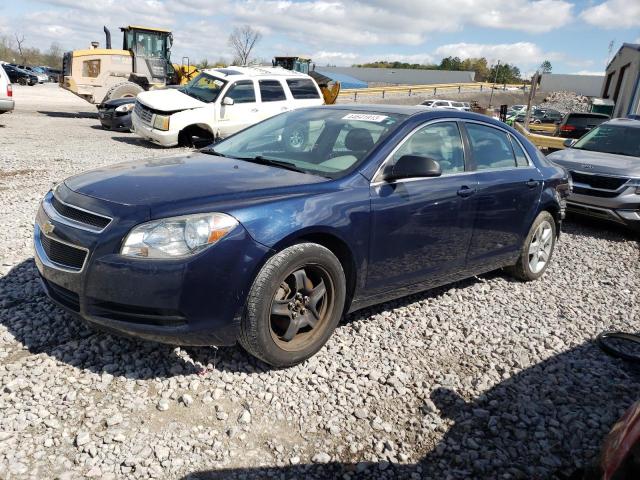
pixel 605 169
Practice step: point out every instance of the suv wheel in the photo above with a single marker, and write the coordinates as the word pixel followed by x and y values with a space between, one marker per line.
pixel 294 305
pixel 537 250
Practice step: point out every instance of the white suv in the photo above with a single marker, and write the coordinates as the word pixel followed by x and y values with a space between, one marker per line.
pixel 220 102
pixel 448 105
pixel 6 92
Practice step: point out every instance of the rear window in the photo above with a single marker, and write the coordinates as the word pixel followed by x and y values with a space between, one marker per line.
pixel 491 147
pixel 303 88
pixel 271 91
pixel 581 120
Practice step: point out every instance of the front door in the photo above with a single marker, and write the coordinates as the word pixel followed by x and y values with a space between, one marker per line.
pixel 243 112
pixel 421 227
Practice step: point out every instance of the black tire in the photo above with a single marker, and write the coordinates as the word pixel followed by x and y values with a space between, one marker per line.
pixel 22 81
pixel 195 137
pixel 261 330
pixel 523 270
pixel 123 90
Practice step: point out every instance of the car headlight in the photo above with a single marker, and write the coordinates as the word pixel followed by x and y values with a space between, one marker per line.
pixel 127 107
pixel 635 182
pixel 161 122
pixel 177 236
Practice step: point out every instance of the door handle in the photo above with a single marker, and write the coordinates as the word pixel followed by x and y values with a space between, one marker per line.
pixel 532 183
pixel 465 191
pixel 254 110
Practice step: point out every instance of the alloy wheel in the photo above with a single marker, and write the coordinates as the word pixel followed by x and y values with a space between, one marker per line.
pixel 540 247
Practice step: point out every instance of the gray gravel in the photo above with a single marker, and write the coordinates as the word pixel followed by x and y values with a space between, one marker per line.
pixel 487 378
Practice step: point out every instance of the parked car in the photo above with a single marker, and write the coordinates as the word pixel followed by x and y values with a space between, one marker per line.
pixel 39 72
pixel 605 168
pixel 427 103
pixel 254 241
pixel 448 105
pixel 17 75
pixel 219 102
pixel 547 115
pixel 519 108
pixel 54 74
pixel 6 93
pixel 116 114
pixel 575 124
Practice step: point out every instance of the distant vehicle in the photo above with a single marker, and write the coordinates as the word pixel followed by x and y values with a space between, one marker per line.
pixel 575 125
pixel 39 72
pixel 605 168
pixel 18 75
pixel 448 105
pixel 6 93
pixel 467 106
pixel 219 102
pixel 116 114
pixel 547 115
pixel 267 243
pixel 53 73
pixel 519 108
pixel 427 103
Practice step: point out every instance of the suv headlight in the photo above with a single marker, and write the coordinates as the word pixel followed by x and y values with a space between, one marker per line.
pixel 177 236
pixel 635 182
pixel 161 122
pixel 127 107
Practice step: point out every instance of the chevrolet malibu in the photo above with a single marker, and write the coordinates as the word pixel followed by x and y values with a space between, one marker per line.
pixel 269 237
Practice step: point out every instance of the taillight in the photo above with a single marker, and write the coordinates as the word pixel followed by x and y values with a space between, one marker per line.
pixel 567 128
pixel 9 91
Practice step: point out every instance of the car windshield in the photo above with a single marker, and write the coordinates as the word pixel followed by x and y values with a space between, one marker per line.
pixel 322 141
pixel 608 138
pixel 204 87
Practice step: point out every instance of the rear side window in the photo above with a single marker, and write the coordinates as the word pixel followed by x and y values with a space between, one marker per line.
pixel 521 158
pixel 91 68
pixel 242 92
pixel 585 120
pixel 303 88
pixel 271 91
pixel 490 147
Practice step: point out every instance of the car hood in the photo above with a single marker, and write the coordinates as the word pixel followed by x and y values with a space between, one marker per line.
pixel 158 182
pixel 597 162
pixel 169 100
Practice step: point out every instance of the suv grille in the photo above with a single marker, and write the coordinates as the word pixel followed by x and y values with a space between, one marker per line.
pixel 80 216
pixel 63 254
pixel 601 182
pixel 143 112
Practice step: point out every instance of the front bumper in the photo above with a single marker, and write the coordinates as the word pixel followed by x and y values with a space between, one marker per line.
pixel 6 105
pixel 110 120
pixel 159 137
pixel 193 301
pixel 623 209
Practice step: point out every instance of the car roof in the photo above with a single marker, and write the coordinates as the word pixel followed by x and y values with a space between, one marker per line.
pixel 627 122
pixel 237 73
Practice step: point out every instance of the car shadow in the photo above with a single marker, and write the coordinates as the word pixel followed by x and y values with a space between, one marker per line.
pixel 546 422
pixel 591 227
pixel 69 114
pixel 139 142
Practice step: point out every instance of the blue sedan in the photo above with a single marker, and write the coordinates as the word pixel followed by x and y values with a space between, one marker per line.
pixel 269 237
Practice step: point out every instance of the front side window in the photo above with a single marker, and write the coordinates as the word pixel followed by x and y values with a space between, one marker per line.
pixel 242 92
pixel 608 138
pixel 321 141
pixel 204 87
pixel 271 91
pixel 440 142
pixel 490 147
pixel 303 88
pixel 91 68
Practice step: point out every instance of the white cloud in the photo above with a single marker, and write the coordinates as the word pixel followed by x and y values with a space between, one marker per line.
pixel 520 53
pixel 589 72
pixel 349 58
pixel 613 14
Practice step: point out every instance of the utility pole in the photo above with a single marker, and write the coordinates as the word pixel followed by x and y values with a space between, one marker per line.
pixel 532 94
pixel 495 79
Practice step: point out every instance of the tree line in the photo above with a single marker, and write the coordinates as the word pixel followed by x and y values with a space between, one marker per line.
pixel 13 50
pixel 500 73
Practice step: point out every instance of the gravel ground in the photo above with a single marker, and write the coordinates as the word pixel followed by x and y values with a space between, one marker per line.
pixel 487 378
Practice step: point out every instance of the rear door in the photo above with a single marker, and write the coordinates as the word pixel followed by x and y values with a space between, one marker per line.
pixel 509 187
pixel 243 112
pixel 273 98
pixel 421 227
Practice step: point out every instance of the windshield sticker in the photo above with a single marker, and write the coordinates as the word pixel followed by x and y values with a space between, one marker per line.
pixel 367 117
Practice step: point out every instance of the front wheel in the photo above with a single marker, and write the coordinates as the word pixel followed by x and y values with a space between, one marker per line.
pixel 537 249
pixel 294 305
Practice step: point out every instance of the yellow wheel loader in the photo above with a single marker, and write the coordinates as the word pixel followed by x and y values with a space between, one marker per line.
pixel 143 63
pixel 329 88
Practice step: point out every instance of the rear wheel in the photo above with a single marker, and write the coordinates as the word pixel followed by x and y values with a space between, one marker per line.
pixel 294 305
pixel 123 90
pixel 537 249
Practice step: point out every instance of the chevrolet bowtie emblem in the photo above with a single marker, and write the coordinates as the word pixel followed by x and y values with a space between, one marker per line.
pixel 48 228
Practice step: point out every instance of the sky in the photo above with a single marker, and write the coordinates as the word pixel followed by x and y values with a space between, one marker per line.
pixel 573 35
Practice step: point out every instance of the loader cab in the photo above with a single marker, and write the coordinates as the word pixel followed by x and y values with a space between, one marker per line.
pixel 151 53
pixel 297 64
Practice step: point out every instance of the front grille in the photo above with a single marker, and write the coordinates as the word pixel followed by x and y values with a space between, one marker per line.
pixel 63 254
pixel 144 113
pixel 61 295
pixel 595 193
pixel 80 216
pixel 603 182
pixel 136 314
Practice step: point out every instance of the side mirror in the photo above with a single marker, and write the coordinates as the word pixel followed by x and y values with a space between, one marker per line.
pixel 569 142
pixel 412 166
pixel 227 101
